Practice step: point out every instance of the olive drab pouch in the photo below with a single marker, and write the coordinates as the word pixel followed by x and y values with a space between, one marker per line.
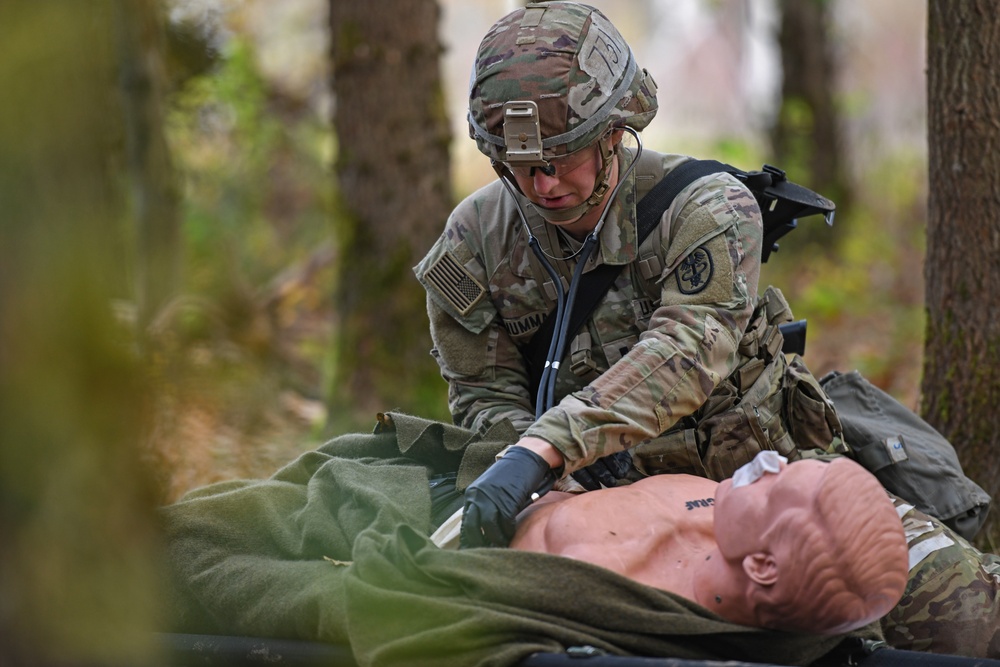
pixel 806 412
pixel 673 452
pixel 906 454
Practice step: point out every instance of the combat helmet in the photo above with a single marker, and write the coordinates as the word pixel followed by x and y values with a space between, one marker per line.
pixel 550 79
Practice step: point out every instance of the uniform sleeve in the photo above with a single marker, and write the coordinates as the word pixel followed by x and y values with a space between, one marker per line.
pixel 708 291
pixel 487 378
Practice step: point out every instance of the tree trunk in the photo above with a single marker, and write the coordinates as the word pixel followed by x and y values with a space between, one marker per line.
pixel 77 526
pixel 806 136
pixel 141 47
pixel 961 381
pixel 394 189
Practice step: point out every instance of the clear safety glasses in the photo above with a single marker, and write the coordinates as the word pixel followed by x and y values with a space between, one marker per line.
pixel 556 167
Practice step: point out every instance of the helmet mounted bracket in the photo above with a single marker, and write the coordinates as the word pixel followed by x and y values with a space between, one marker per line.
pixel 522 134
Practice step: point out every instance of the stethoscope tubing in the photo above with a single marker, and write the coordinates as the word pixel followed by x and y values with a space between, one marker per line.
pixel 545 397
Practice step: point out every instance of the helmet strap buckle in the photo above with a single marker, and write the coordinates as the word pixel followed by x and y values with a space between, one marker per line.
pixel 602 182
pixel 598 195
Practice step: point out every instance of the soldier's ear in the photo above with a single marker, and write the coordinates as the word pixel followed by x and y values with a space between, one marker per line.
pixel 761 567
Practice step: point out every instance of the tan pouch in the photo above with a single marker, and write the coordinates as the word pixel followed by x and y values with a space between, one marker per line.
pixel 673 452
pixel 732 438
pixel 811 417
pixel 768 403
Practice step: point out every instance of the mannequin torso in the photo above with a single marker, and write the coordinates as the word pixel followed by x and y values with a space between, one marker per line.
pixel 657 548
pixel 809 546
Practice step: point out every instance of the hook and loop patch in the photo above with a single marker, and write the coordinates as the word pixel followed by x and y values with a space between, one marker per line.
pixel 455 283
pixel 695 271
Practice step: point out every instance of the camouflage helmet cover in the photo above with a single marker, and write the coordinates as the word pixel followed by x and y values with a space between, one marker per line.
pixel 572 63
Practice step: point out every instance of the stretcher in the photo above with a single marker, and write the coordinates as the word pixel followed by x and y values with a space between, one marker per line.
pixel 192 650
pixel 334 550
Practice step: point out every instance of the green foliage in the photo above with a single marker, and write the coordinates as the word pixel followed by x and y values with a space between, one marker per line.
pixel 239 157
pixel 797 118
pixel 249 333
pixel 863 296
pixel 77 524
pixel 735 152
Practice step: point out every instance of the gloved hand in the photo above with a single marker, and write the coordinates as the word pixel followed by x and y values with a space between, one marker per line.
pixel 494 500
pixel 606 470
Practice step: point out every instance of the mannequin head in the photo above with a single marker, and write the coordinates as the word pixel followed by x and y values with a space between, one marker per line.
pixel 819 544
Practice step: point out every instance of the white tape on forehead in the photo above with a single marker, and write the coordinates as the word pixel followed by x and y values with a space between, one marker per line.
pixel 768 461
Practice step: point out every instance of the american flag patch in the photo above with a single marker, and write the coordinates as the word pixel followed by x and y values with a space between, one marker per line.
pixel 459 287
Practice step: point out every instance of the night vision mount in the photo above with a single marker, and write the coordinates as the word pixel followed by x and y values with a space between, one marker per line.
pixel 522 134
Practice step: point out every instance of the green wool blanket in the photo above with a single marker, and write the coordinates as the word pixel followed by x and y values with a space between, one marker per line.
pixel 334 548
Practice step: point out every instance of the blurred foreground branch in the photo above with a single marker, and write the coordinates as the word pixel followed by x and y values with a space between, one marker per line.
pixel 77 563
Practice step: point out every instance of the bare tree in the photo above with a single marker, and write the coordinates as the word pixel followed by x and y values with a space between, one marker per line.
pixel 394 190
pixel 961 380
pixel 806 134
pixel 142 77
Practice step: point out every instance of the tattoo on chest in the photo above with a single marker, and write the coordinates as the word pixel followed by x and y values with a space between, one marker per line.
pixel 703 502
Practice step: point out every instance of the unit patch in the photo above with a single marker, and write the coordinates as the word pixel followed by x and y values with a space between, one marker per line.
pixel 454 282
pixel 695 271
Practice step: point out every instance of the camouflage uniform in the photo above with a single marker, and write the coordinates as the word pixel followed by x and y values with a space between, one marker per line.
pixel 681 338
pixel 654 350
pixel 951 603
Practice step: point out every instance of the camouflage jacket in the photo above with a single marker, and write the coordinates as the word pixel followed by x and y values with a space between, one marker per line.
pixel 653 351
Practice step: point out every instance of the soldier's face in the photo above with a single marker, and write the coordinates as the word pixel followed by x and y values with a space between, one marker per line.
pixel 571 184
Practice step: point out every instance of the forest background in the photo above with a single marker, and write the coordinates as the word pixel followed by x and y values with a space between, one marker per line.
pixel 247 342
pixel 180 263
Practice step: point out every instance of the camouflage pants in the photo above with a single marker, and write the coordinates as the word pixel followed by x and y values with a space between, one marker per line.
pixel 952 601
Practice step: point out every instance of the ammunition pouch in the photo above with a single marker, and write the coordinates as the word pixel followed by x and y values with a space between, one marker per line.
pixel 766 403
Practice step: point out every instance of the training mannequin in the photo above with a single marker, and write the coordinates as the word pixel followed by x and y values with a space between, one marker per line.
pixel 807 546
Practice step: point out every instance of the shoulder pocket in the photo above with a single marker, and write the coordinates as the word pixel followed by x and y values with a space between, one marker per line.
pixel 457 284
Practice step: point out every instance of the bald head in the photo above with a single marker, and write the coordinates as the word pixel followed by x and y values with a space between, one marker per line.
pixel 831 555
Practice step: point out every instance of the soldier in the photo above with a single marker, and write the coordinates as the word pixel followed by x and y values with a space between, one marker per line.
pixel 679 366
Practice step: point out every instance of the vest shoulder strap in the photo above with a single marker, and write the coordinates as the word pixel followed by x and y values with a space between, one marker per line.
pixel 781 203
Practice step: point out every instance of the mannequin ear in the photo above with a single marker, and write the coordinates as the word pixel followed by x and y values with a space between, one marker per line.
pixel 762 568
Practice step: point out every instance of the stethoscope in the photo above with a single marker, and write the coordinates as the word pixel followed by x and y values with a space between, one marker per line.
pixel 545 397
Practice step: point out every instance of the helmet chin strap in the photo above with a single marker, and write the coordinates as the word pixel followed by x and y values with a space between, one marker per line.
pixel 564 215
pixel 601 186
pixel 510 184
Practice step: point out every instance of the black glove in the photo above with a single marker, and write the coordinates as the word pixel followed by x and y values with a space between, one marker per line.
pixel 606 470
pixel 494 500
